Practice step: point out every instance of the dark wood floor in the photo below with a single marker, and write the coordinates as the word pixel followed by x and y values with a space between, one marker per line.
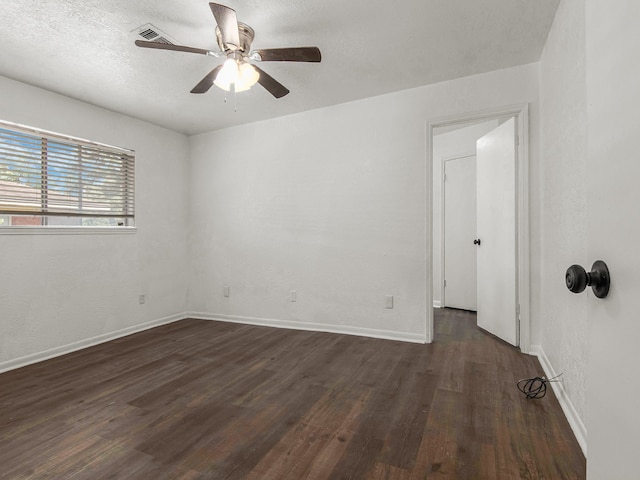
pixel 207 400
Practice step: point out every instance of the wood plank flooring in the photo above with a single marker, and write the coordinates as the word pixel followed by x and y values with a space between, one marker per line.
pixel 210 400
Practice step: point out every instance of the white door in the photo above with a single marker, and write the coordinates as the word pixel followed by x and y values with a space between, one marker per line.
pixel 613 198
pixel 496 230
pixel 459 232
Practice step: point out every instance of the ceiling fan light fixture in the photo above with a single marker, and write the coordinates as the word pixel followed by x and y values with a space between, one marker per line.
pixel 243 76
pixel 247 77
pixel 227 75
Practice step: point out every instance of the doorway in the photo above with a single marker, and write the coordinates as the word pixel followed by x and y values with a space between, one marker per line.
pixel 459 149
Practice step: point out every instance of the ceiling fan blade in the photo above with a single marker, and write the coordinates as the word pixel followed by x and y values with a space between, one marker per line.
pixel 169 46
pixel 273 86
pixel 296 54
pixel 228 25
pixel 206 83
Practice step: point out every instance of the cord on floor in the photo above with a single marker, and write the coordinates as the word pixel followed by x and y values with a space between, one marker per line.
pixel 535 387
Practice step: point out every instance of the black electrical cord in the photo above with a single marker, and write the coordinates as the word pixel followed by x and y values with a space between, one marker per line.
pixel 535 387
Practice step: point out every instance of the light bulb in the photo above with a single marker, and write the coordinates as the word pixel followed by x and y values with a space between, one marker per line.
pixel 243 76
pixel 247 77
pixel 227 75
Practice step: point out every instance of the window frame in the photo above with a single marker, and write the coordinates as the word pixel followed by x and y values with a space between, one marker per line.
pixel 125 180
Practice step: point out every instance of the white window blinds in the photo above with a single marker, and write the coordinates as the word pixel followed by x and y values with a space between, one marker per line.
pixel 59 180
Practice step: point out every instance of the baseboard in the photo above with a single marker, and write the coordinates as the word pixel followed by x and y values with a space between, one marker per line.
pixel 437 304
pixel 89 342
pixel 315 327
pixel 578 427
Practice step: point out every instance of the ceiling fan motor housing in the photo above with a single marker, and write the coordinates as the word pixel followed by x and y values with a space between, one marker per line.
pixel 246 34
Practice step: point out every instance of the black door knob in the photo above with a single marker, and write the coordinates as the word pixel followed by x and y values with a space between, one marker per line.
pixel 577 279
pixel 476 242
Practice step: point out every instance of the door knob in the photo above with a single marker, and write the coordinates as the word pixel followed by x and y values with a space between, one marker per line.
pixel 577 279
pixel 476 242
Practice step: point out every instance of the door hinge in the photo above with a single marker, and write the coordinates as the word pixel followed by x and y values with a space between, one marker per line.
pixel 444 177
pixel 517 140
pixel 445 283
pixel 518 311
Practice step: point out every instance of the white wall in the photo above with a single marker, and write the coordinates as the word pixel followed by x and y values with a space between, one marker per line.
pixel 57 290
pixel 330 203
pixel 613 197
pixel 447 145
pixel 562 204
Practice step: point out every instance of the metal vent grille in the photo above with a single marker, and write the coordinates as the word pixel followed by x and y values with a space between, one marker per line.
pixel 149 34
pixel 153 34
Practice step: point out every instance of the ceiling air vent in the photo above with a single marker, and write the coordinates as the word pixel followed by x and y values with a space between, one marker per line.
pixel 154 34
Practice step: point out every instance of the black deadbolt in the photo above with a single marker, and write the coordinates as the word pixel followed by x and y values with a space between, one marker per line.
pixel 476 242
pixel 577 279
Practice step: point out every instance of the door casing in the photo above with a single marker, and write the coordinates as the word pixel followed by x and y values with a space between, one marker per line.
pixel 521 113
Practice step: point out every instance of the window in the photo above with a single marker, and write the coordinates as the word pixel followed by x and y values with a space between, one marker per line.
pixel 52 180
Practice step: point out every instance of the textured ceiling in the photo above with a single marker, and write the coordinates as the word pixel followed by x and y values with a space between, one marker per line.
pixel 85 49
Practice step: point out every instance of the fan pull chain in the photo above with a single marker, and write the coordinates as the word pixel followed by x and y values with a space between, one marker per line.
pixel 235 98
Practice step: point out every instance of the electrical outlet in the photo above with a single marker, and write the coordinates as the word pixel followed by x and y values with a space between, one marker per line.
pixel 293 296
pixel 142 299
pixel 227 290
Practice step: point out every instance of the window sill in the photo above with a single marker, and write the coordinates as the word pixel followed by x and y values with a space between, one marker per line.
pixel 59 230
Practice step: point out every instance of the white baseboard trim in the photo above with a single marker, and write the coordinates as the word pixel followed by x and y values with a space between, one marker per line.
pixel 89 342
pixel 576 423
pixel 315 327
pixel 106 337
pixel 437 304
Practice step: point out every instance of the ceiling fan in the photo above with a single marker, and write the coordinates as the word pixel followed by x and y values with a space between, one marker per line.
pixel 234 39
